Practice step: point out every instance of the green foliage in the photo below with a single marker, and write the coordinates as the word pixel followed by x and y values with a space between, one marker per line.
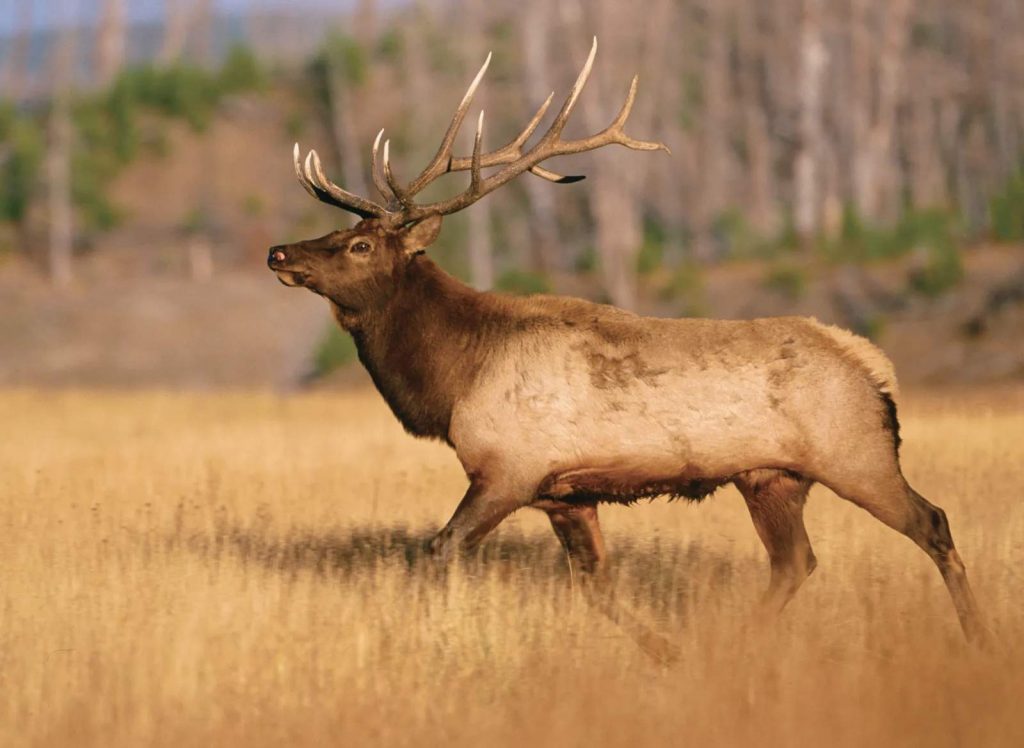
pixel 253 206
pixel 180 92
pixel 391 46
pixel 787 278
pixel 347 57
pixel 693 101
pixel 241 71
pixel 295 125
pixel 873 327
pixel 942 270
pixel 1006 210
pixel 652 250
pixel 586 261
pixel 522 282
pixel 335 349
pixel 934 230
pixel 687 285
pixel 197 221
pixel 739 239
pixel 108 128
pixel 933 234
pixel 21 155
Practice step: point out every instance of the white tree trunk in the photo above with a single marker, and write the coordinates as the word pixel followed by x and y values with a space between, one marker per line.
pixel 875 180
pixel 546 249
pixel 58 163
pixel 110 42
pixel 481 247
pixel 762 210
pixel 176 21
pixel 807 169
pixel 15 70
pixel 714 153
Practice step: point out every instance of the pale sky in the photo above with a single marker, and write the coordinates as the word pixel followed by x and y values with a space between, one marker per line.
pixel 46 13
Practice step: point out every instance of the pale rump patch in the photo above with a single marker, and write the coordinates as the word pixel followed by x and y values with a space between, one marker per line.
pixel 861 350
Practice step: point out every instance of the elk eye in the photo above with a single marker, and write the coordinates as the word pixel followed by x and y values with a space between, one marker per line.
pixel 361 248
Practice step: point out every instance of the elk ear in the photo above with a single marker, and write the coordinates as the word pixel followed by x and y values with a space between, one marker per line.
pixel 417 237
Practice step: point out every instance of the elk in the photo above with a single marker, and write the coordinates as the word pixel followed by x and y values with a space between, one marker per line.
pixel 561 404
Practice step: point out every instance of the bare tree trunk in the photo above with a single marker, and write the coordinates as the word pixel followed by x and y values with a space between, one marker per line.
pixel 762 211
pixel 714 132
pixel 344 104
pixel 58 163
pixel 346 99
pixel 365 20
pixel 807 169
pixel 923 144
pixel 110 42
pixel 873 167
pixel 1004 33
pixel 202 31
pixel 618 175
pixel 15 78
pixel 176 22
pixel 546 249
pixel 481 248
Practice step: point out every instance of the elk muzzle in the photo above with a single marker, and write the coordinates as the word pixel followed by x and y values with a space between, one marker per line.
pixel 276 260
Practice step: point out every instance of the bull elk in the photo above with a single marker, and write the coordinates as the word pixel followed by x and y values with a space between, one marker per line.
pixel 561 404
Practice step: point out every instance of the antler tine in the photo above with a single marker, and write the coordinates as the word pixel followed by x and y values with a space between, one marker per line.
pixel 311 177
pixel 570 102
pixel 439 164
pixel 382 186
pixel 549 146
pixel 620 121
pixel 474 181
pixel 297 158
pixel 401 208
pixel 401 193
pixel 514 149
pixel 532 124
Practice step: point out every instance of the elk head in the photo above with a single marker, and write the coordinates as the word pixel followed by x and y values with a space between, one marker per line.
pixel 359 267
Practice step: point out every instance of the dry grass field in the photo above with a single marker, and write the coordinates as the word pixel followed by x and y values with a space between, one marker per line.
pixel 245 569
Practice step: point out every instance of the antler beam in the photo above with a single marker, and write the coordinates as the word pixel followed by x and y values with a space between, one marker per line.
pixel 400 206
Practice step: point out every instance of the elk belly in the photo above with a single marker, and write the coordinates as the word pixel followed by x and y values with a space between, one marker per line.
pixel 627 482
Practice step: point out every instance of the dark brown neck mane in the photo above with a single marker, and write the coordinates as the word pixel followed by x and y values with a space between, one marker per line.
pixel 425 344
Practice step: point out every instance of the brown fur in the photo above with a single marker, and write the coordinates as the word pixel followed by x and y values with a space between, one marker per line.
pixel 560 404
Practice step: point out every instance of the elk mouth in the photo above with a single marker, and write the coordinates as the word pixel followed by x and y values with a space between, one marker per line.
pixel 291 278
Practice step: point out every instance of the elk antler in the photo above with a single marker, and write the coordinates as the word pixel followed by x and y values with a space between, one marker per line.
pixel 402 209
pixel 323 189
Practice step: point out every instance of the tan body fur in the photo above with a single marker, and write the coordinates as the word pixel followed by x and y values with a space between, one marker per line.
pixel 561 404
pixel 648 401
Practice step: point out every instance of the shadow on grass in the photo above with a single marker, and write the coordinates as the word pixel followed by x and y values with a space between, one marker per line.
pixel 663 577
pixel 365 549
pixel 647 584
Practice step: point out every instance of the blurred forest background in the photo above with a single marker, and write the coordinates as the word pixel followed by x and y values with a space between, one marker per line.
pixel 860 160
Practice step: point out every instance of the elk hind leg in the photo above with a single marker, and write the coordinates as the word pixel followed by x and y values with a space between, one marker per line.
pixel 776 499
pixel 887 495
pixel 578 530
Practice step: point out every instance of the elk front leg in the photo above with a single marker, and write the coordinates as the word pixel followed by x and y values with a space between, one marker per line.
pixel 485 504
pixel 577 528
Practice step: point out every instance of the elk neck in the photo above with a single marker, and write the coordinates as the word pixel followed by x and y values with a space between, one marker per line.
pixel 425 344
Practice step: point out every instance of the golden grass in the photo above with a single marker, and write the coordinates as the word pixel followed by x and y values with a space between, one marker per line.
pixel 246 569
